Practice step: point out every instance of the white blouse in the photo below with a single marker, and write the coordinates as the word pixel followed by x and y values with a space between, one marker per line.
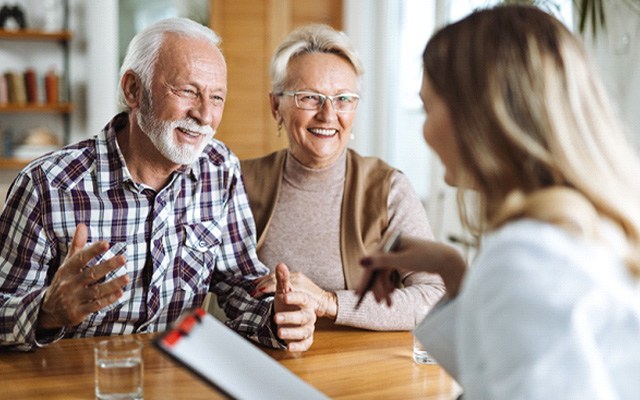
pixel 541 315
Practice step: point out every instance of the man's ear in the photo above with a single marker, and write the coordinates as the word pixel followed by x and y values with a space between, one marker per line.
pixel 131 88
pixel 275 107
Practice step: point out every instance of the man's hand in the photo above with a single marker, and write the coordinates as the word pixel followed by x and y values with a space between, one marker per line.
pixel 294 313
pixel 324 303
pixel 74 292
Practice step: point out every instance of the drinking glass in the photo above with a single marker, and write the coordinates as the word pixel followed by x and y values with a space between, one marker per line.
pixel 420 353
pixel 119 369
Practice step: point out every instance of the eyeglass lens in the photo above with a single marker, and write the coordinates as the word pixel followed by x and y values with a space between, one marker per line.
pixel 315 101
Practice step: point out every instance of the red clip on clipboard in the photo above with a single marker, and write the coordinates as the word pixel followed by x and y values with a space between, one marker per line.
pixel 229 362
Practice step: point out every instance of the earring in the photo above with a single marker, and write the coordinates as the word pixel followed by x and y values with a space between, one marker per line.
pixel 352 136
pixel 279 133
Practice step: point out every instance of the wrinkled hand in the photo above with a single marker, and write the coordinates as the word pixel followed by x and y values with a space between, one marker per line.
pixel 294 313
pixel 416 255
pixel 324 303
pixel 74 292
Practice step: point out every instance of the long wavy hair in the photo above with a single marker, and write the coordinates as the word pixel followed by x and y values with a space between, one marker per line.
pixel 531 116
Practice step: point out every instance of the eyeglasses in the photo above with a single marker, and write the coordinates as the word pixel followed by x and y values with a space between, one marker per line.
pixel 343 102
pixel 191 96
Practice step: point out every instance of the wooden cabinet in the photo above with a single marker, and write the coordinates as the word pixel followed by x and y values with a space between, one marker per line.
pixel 250 31
pixel 22 49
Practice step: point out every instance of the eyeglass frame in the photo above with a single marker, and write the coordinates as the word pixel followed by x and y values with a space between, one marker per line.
pixel 323 100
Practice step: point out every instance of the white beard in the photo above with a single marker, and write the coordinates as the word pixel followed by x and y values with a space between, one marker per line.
pixel 161 134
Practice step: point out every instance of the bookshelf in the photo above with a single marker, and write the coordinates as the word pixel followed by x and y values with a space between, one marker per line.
pixel 20 46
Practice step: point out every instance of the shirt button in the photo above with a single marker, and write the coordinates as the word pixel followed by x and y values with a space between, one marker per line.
pixel 202 244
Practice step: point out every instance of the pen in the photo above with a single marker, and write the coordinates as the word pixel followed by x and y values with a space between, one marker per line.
pixel 390 245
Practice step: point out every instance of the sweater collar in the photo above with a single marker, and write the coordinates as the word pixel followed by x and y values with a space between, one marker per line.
pixel 312 179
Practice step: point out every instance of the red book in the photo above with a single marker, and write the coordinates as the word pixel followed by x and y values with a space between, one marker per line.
pixel 51 87
pixel 31 85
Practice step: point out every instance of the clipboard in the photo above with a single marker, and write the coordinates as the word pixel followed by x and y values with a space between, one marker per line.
pixel 228 362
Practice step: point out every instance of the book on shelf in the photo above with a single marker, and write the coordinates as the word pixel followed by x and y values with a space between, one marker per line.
pixel 4 95
pixel 51 81
pixel 31 85
pixel 16 87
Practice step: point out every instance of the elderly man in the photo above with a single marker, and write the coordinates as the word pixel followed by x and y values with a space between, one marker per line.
pixel 125 232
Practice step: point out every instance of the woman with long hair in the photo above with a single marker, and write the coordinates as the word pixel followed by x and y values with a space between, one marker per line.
pixel 550 307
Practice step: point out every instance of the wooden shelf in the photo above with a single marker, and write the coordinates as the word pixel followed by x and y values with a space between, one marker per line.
pixel 58 42
pixel 61 108
pixel 34 34
pixel 13 163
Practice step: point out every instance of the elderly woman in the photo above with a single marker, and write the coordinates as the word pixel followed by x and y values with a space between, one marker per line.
pixel 319 207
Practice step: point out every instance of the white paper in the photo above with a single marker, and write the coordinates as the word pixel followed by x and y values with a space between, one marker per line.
pixel 232 363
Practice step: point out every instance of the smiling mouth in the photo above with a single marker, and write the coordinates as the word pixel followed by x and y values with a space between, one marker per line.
pixel 190 133
pixel 323 132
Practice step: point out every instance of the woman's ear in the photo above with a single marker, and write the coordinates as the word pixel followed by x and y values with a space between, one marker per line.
pixel 275 107
pixel 131 88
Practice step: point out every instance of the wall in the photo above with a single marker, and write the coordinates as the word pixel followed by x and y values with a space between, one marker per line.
pixel 248 126
pixel 616 52
pixel 250 32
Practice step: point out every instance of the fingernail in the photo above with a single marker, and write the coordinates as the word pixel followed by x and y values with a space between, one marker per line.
pixel 365 262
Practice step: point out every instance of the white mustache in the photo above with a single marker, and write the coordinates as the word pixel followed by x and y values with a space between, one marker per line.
pixel 193 126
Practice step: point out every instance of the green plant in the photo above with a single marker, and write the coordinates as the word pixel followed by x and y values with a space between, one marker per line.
pixel 589 11
pixel 593 11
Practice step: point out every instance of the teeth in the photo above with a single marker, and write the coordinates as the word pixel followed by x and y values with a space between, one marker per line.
pixel 323 132
pixel 190 133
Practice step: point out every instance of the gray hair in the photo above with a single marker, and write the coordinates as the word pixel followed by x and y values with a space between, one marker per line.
pixel 144 48
pixel 314 38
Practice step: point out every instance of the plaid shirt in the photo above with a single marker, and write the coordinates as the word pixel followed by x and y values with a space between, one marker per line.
pixel 196 234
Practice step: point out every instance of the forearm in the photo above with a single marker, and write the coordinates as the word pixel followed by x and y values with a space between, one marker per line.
pixel 19 320
pixel 452 269
pixel 379 316
pixel 248 316
pixel 255 321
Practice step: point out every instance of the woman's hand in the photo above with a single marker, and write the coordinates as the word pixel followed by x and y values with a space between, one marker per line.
pixel 415 255
pixel 325 303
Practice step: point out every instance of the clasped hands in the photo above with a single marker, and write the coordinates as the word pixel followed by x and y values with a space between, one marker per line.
pixel 324 303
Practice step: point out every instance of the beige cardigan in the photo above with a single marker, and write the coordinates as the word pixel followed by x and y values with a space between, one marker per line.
pixel 364 205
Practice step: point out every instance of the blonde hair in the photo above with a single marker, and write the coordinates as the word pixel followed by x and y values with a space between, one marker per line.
pixel 312 38
pixel 530 114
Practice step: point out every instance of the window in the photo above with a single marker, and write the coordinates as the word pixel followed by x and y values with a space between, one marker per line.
pixel 390 36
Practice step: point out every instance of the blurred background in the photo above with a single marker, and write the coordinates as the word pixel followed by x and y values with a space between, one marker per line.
pixel 83 43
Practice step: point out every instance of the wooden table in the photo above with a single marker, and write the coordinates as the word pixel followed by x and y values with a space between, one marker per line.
pixel 344 363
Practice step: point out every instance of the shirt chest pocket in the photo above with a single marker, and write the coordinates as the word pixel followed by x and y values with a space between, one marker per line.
pixel 201 246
